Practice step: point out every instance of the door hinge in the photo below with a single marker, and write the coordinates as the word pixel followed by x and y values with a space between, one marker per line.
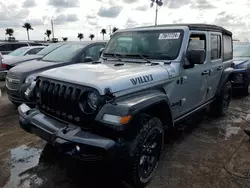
pixel 209 89
pixel 182 101
pixel 183 79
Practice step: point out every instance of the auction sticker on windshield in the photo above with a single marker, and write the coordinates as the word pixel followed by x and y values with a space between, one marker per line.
pixel 166 36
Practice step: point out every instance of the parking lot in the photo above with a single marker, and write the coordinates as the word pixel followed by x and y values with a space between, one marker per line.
pixel 204 153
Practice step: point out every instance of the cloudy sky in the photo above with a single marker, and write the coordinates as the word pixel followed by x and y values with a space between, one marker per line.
pixel 73 16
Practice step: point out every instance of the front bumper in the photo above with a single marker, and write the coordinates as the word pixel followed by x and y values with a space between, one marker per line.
pixel 68 138
pixel 240 83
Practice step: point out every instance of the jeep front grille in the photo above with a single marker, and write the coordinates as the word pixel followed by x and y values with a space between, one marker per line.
pixel 61 100
pixel 12 81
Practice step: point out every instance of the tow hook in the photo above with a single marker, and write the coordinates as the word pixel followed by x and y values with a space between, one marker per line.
pixel 65 129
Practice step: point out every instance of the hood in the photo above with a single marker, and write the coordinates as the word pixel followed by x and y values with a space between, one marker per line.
pixel 19 59
pixel 34 66
pixel 116 78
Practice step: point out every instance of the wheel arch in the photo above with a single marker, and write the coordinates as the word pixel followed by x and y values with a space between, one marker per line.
pixel 159 109
pixel 153 103
pixel 227 75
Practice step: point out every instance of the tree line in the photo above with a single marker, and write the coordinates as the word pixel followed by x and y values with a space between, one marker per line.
pixel 80 36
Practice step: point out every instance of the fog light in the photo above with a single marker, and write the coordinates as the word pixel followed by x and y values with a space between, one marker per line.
pixel 78 148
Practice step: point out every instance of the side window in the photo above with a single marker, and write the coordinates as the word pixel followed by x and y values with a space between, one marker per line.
pixel 93 52
pixel 89 51
pixel 18 45
pixel 6 47
pixel 227 48
pixel 98 48
pixel 196 42
pixel 215 47
pixel 34 51
pixel 35 44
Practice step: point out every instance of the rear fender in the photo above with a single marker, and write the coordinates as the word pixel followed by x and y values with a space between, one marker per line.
pixel 226 76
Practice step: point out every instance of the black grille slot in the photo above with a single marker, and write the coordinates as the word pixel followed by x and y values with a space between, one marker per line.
pixel 61 100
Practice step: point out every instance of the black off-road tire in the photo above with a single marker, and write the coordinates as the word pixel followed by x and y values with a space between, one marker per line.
pixel 220 106
pixel 16 105
pixel 135 151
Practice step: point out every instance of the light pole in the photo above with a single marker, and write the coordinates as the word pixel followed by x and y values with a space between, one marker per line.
pixel 158 3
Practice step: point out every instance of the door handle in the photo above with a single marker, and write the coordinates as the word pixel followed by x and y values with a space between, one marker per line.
pixel 205 72
pixel 220 68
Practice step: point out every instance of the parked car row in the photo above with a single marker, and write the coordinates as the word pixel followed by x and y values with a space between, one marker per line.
pixel 7 47
pixel 21 72
pixel 115 100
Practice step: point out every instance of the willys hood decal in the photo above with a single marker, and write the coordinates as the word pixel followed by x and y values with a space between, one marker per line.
pixel 116 78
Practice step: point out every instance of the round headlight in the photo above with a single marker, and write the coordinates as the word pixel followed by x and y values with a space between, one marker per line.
pixel 92 100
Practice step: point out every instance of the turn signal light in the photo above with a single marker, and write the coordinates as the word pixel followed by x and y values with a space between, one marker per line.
pixel 125 119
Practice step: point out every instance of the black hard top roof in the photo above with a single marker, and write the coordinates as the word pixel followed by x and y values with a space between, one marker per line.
pixel 203 27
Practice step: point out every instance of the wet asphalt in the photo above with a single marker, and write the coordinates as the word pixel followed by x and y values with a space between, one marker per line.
pixel 204 152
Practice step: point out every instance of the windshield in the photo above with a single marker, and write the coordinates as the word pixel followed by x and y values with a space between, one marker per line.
pixel 49 49
pixel 158 44
pixel 64 53
pixel 241 50
pixel 18 52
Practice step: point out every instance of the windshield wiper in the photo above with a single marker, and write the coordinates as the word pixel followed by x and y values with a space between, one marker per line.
pixel 148 61
pixel 113 54
pixel 119 59
pixel 139 55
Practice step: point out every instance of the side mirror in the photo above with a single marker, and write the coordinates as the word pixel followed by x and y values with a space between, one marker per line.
pixel 101 50
pixel 87 59
pixel 196 56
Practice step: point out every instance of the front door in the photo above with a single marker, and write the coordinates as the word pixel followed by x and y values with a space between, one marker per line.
pixel 194 78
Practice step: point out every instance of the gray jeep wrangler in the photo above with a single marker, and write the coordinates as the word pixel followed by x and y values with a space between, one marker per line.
pixel 147 80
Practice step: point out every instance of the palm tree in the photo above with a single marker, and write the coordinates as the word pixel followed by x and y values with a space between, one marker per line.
pixel 114 29
pixel 91 36
pixel 48 33
pixel 65 38
pixel 9 31
pixel 80 36
pixel 158 3
pixel 103 32
pixel 28 27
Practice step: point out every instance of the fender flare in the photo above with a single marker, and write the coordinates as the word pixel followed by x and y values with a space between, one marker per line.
pixel 226 75
pixel 136 103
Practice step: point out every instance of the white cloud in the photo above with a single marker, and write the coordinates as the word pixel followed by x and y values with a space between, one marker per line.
pixel 75 16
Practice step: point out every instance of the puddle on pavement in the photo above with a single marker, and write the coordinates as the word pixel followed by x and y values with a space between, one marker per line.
pixel 229 130
pixel 22 159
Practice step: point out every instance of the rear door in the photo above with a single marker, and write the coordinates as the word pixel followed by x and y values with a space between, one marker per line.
pixel 215 63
